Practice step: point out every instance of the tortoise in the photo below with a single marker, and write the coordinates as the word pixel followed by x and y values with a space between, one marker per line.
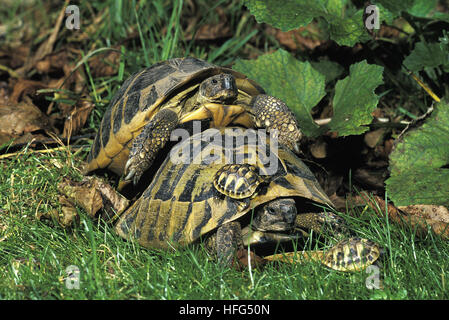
pixel 352 254
pixel 155 101
pixel 201 192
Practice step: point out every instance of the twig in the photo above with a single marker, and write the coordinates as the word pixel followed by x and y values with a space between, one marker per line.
pixel 11 72
pixel 9 155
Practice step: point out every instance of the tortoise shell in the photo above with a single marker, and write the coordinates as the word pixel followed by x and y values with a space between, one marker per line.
pixel 142 95
pixel 237 181
pixel 181 204
pixel 352 254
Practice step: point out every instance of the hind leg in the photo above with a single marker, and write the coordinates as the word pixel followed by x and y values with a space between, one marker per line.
pixel 228 241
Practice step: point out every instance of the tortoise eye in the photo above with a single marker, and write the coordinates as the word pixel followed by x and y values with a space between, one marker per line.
pixel 214 81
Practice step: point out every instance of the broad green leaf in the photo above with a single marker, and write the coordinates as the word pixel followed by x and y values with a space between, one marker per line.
pixel 418 8
pixel 385 15
pixel 297 83
pixel 286 15
pixel 426 146
pixel 291 14
pixel 355 99
pixel 418 164
pixel 348 31
pixel 330 69
pixel 419 186
pixel 426 55
pixel 396 6
pixel 423 8
pixel 441 16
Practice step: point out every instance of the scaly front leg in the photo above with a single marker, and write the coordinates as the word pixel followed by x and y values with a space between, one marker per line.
pixel 273 114
pixel 148 143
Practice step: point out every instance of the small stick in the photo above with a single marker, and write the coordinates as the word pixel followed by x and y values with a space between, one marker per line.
pixel 8 155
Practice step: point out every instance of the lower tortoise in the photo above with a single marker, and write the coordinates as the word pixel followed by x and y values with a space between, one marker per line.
pixel 201 191
pixel 154 101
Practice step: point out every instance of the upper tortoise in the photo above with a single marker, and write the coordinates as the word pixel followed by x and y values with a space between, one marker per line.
pixel 154 101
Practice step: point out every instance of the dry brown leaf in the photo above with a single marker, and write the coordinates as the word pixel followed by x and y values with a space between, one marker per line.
pixel 77 118
pixel 47 46
pixel 436 213
pixel 4 94
pixel 105 64
pixel 338 202
pixel 83 194
pixel 66 217
pixel 319 149
pixel 378 206
pixel 209 31
pixel 93 194
pixel 25 87
pixel 372 138
pixel 298 38
pixel 15 57
pixel 69 214
pixel 52 62
pixel 241 261
pixel 16 120
pixel 21 140
pixel 388 147
pixel 114 203
pixel 420 222
pixel 372 177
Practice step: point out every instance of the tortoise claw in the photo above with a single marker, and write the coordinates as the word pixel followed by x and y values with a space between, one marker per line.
pixel 130 175
pixel 127 165
pixel 296 148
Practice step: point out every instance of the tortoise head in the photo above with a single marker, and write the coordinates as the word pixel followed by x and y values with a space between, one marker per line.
pixel 219 88
pixel 276 215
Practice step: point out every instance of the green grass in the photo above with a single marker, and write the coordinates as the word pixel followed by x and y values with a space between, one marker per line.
pixel 34 254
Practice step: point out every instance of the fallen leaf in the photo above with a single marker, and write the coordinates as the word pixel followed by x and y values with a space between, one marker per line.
pixel 16 120
pixel 93 194
pixel 47 46
pixel 339 202
pixel 77 118
pixel 83 194
pixel 437 213
pixel 241 260
pixel 208 31
pixel 371 177
pixel 4 94
pixel 21 140
pixel 65 217
pixel 211 32
pixel 419 218
pixel 114 203
pixel 318 149
pixel 53 62
pixel 16 53
pixel 302 38
pixel 69 215
pixel 105 64
pixel 372 138
pixel 25 87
